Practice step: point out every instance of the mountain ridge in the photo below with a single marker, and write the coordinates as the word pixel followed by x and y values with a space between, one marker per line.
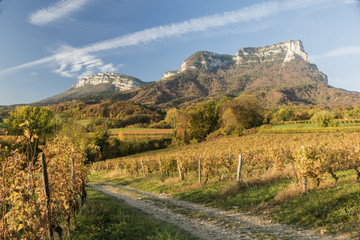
pixel 277 74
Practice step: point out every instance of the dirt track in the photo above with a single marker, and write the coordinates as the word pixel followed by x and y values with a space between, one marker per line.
pixel 205 222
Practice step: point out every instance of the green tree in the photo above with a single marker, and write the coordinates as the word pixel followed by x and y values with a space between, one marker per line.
pixel 203 119
pixel 195 123
pixel 286 113
pixel 101 142
pixel 324 119
pixel 241 113
pixel 172 117
pixel 37 120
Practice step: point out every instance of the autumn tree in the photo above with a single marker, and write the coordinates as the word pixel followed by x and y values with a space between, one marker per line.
pixel 172 117
pixel 38 120
pixel 324 119
pixel 241 113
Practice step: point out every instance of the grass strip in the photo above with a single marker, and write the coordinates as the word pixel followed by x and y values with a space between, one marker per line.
pixel 105 217
pixel 328 209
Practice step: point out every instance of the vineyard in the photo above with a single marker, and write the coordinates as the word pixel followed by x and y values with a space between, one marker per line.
pixel 310 156
pixel 39 194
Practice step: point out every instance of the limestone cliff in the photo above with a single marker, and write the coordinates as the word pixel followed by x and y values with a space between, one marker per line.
pixel 121 82
pixel 283 52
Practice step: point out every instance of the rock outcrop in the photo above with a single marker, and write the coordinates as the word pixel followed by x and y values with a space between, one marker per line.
pixel 206 61
pixel 283 52
pixel 121 82
pixel 280 53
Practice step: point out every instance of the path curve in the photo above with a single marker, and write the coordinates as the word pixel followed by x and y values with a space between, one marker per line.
pixel 206 222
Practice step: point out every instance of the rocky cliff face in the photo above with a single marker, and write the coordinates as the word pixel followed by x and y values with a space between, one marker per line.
pixel 278 74
pixel 278 53
pixel 121 82
pixel 206 61
pixel 283 52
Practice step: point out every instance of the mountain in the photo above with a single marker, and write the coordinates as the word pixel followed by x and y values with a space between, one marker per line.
pixel 277 74
pixel 102 83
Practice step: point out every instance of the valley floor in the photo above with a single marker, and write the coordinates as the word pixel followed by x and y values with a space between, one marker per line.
pixel 205 222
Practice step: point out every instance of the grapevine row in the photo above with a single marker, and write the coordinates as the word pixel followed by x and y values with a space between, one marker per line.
pixel 24 210
pixel 312 155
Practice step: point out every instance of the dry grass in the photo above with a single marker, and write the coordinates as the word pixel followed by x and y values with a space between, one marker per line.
pixel 292 191
pixel 259 179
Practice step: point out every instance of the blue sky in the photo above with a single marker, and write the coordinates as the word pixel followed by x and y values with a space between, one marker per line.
pixel 45 46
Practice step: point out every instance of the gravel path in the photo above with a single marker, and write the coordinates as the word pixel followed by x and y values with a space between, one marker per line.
pixel 205 222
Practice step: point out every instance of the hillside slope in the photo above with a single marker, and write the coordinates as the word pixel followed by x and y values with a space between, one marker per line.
pixel 277 74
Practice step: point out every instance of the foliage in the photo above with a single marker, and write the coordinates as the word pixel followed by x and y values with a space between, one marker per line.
pixel 115 113
pixel 324 119
pixel 23 202
pixel 172 116
pixel 194 124
pixel 241 113
pixel 203 119
pixel 260 153
pixel 38 120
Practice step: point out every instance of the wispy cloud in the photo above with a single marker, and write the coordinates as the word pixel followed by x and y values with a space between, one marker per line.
pixel 70 61
pixel 343 51
pixel 60 9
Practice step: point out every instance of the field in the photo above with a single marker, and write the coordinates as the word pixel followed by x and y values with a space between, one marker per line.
pixel 310 125
pixel 313 176
pixel 140 132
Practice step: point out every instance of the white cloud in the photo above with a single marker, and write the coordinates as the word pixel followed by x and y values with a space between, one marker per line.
pixel 56 11
pixel 343 51
pixel 70 61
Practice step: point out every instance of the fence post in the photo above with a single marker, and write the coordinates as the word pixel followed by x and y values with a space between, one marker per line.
pixel 142 167
pixel 137 170
pixel 47 194
pixel 179 168
pixel 199 170
pixel 238 175
pixel 161 169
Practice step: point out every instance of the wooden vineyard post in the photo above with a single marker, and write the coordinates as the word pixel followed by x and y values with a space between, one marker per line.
pixel 137 170
pixel 161 169
pixel 238 175
pixel 199 170
pixel 107 166
pixel 142 167
pixel 47 194
pixel 179 168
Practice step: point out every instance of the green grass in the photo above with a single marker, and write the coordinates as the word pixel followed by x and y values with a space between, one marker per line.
pixel 310 125
pixel 125 129
pixel 105 217
pixel 331 209
pixel 286 126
